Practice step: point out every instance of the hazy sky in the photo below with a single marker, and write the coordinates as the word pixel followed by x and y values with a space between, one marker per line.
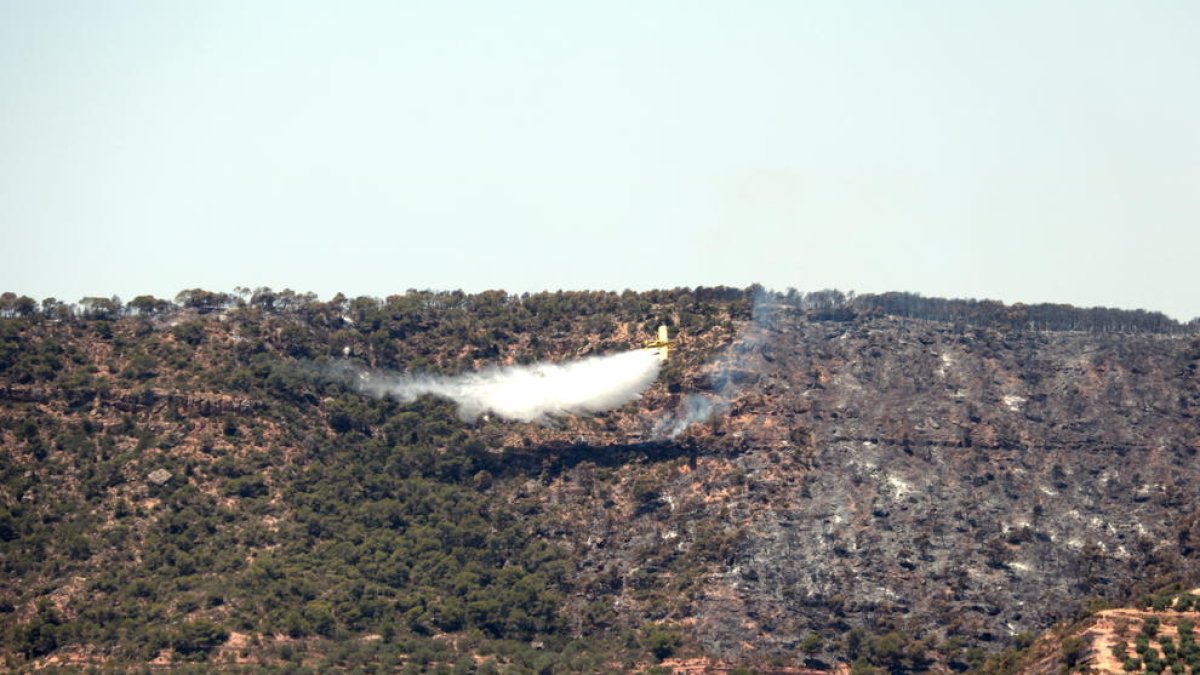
pixel 1022 151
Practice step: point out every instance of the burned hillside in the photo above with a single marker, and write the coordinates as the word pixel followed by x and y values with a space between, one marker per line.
pixel 814 479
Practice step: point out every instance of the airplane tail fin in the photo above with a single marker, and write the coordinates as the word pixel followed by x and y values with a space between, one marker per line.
pixel 662 345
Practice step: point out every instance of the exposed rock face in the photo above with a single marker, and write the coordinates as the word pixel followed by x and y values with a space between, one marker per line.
pixel 900 474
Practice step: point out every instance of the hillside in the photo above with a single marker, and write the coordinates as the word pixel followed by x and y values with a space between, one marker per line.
pixel 890 481
pixel 1152 636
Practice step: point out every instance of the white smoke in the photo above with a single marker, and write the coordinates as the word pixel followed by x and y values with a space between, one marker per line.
pixel 740 357
pixel 534 393
pixel 692 409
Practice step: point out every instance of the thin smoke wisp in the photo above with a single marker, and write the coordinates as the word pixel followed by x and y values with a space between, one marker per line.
pixel 534 393
pixel 698 408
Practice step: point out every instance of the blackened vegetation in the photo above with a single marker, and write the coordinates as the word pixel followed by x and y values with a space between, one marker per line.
pixel 898 482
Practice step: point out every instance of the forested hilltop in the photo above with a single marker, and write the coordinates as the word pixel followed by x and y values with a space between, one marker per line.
pixel 895 482
pixel 831 303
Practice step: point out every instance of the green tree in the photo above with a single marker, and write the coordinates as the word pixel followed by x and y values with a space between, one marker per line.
pixel 811 644
pixel 148 305
pixel 198 636
pixel 1074 651
pixel 660 640
pixel 41 635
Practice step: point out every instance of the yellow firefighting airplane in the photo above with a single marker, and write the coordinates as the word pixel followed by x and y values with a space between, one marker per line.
pixel 662 345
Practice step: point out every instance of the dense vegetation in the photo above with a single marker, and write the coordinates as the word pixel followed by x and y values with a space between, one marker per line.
pixel 826 304
pixel 296 520
pixel 174 483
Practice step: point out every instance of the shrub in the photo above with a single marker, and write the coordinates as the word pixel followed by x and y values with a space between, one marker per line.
pixel 191 332
pixel 245 486
pixel 198 636
pixel 811 644
pixel 1074 650
pixel 661 641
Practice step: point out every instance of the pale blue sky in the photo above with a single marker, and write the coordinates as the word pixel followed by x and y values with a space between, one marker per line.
pixel 1022 151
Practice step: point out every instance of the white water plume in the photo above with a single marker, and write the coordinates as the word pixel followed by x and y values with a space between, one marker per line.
pixel 534 393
